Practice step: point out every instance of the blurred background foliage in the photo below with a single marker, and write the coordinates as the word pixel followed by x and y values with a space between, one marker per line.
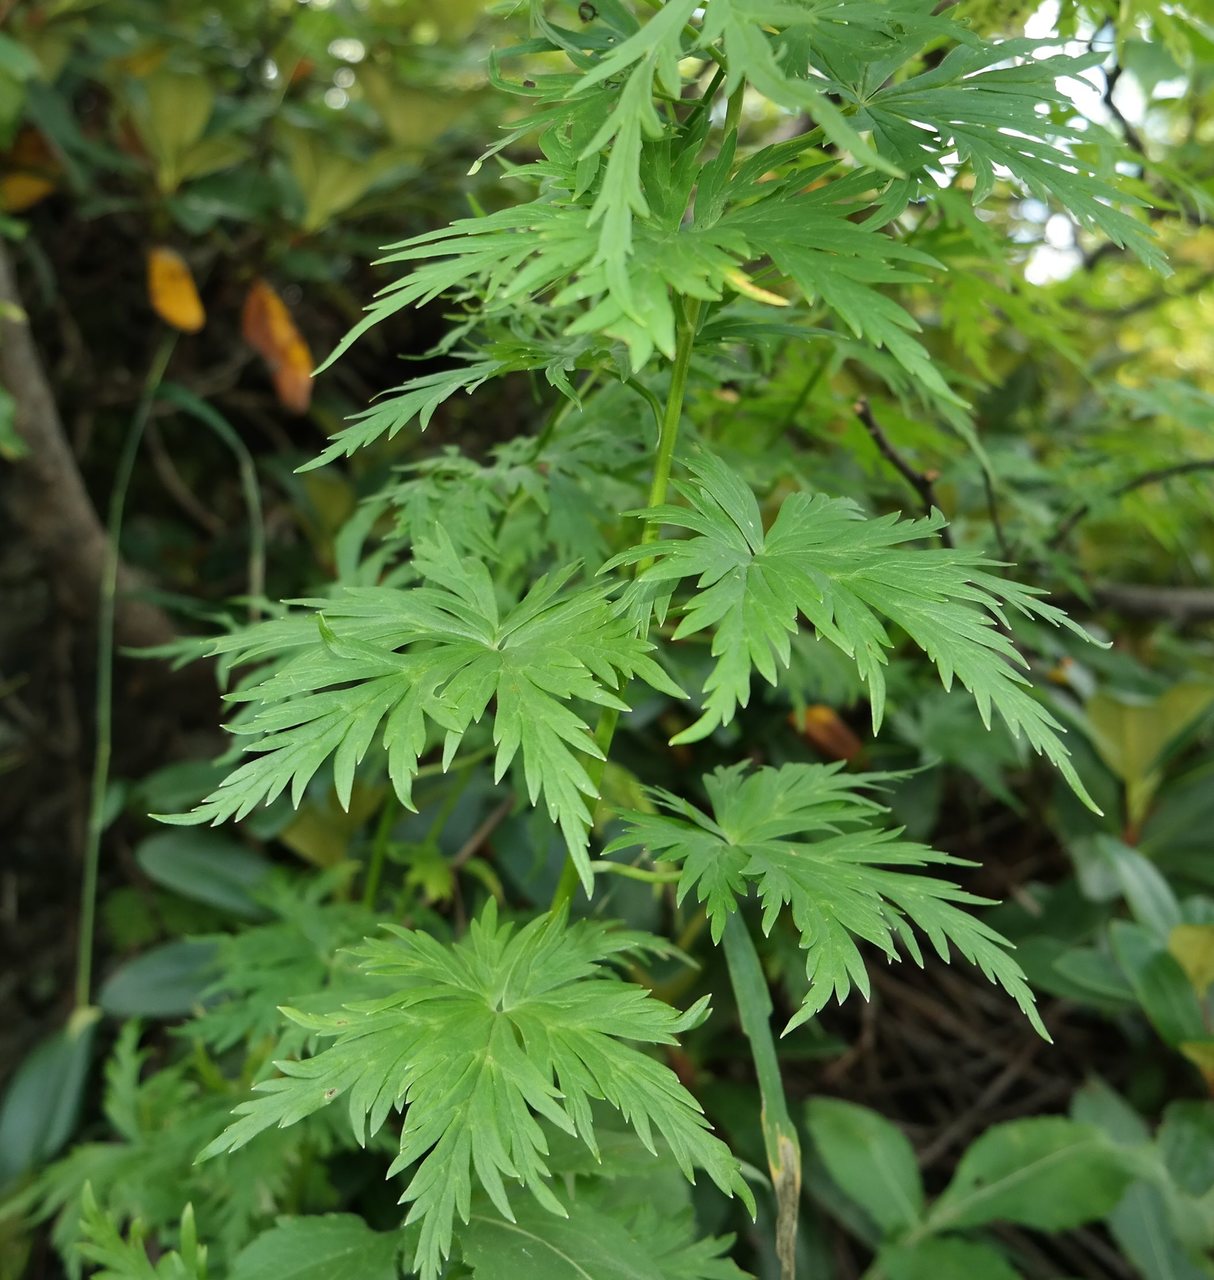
pixel 225 173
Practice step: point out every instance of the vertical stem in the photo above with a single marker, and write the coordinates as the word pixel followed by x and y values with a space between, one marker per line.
pixel 379 851
pixel 668 435
pixel 105 671
pixel 780 1139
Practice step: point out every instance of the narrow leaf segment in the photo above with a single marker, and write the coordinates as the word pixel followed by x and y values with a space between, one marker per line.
pixel 848 575
pixel 803 837
pixel 485 1043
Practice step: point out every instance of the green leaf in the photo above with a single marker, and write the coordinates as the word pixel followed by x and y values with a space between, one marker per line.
pixel 483 1040
pixel 1186 1142
pixel 1161 985
pixel 983 101
pixel 870 1159
pixel 332 1246
pixel 205 867
pixel 945 1260
pixel 166 982
pixel 435 657
pixel 1140 1225
pixel 1044 1172
pixel 591 1244
pixel 804 835
pixel 1148 895
pixel 823 560
pixel 42 1099
pixel 119 1257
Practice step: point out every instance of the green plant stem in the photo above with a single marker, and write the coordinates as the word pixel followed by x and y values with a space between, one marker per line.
pixel 601 867
pixel 103 741
pixel 668 435
pixel 379 851
pixel 779 1133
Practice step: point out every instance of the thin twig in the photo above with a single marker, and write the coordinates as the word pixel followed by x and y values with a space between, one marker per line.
pixel 923 482
pixel 176 487
pixel 1132 136
pixel 474 842
pixel 1156 476
pixel 992 507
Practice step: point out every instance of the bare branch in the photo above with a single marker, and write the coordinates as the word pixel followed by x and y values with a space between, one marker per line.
pixel 923 482
pixel 46 494
pixel 1156 476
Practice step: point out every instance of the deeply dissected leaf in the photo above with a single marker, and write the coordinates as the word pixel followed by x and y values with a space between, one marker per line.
pixel 399 664
pixel 804 836
pixel 118 1257
pixel 483 1040
pixel 655 1246
pixel 821 559
pixel 334 1246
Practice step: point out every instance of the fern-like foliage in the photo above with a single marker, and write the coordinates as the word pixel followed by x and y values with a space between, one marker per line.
pixel 847 575
pixel 119 1257
pixel 805 836
pixel 483 1041
pixel 436 656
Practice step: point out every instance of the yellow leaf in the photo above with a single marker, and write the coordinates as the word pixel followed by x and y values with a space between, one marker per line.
pixel 1193 947
pixel 747 287
pixel 823 729
pixel 268 328
pixel 30 172
pixel 413 117
pixel 1130 736
pixel 21 191
pixel 172 292
pixel 170 117
pixel 1201 1054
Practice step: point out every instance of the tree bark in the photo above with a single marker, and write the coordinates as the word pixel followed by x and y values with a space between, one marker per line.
pixel 46 494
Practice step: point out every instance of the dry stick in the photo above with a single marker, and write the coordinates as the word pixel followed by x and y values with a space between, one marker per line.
pixel 47 496
pixel 1157 476
pixel 923 482
pixel 1178 605
pixel 473 843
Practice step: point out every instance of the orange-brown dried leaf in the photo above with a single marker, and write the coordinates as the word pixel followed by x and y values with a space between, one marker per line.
pixel 267 327
pixel 31 171
pixel 172 291
pixel 822 728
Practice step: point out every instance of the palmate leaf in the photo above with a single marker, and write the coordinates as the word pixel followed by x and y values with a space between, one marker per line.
pixel 656 1245
pixel 804 836
pixel 435 657
pixel 483 1040
pixel 983 102
pixel 823 560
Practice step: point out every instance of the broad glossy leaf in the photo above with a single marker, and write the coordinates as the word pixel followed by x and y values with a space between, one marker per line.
pixel 1045 1172
pixel 870 1159
pixel 206 867
pixel 166 982
pixel 42 1099
pixel 1161 985
pixel 945 1259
